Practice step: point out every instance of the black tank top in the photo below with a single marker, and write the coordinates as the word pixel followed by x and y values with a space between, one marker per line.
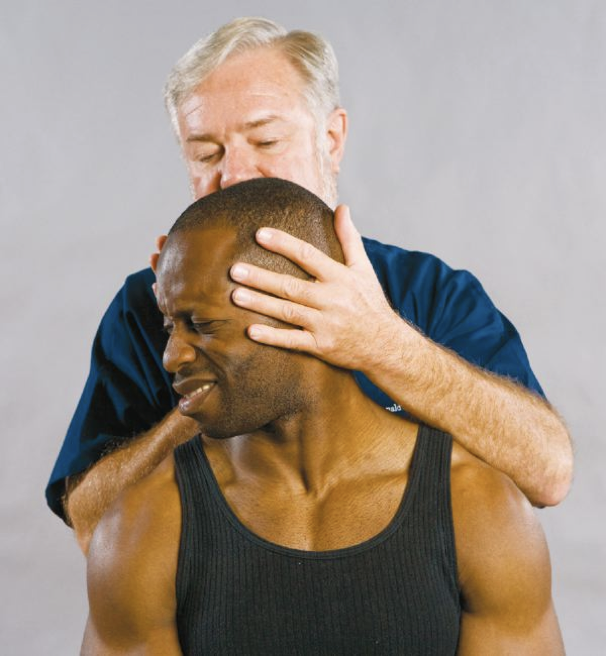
pixel 396 593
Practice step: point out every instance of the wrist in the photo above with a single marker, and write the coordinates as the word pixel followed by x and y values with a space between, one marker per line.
pixel 390 351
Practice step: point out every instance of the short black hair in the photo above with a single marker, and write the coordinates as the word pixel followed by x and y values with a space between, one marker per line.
pixel 271 202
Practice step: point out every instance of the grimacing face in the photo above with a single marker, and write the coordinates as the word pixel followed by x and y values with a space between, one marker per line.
pixel 249 119
pixel 228 383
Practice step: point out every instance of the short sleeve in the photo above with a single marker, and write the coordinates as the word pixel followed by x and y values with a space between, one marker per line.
pixel 127 390
pixel 450 307
pixel 464 319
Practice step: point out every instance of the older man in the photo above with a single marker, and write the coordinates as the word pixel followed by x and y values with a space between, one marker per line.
pixel 306 520
pixel 251 101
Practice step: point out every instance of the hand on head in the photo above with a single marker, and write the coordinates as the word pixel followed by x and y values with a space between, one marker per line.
pixel 343 311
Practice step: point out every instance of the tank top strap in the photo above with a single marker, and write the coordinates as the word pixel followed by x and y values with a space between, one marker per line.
pixel 392 595
pixel 430 466
pixel 431 511
pixel 199 515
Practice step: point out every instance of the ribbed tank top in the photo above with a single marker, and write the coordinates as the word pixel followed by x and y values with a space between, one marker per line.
pixel 396 593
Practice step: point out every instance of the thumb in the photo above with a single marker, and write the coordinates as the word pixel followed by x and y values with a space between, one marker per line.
pixel 349 238
pixel 154 257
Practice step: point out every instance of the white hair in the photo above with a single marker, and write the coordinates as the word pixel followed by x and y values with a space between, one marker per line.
pixel 311 55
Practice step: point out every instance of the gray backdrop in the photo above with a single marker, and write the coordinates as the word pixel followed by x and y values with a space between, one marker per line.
pixel 477 133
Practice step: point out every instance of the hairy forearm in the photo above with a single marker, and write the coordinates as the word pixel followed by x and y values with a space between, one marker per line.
pixel 499 421
pixel 90 494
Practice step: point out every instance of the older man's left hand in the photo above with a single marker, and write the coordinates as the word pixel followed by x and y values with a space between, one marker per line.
pixel 341 317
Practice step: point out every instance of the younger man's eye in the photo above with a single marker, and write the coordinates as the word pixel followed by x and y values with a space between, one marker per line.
pixel 205 327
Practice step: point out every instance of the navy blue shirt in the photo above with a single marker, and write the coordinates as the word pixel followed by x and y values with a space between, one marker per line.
pixel 128 390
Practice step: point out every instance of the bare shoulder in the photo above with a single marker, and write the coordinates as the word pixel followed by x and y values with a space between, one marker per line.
pixel 479 488
pixel 132 563
pixel 145 511
pixel 503 564
pixel 142 524
pixel 493 519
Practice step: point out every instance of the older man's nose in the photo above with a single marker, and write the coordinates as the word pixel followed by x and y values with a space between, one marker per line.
pixel 238 165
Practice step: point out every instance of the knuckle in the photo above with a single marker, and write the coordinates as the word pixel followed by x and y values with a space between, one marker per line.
pixel 290 342
pixel 291 288
pixel 291 314
pixel 306 251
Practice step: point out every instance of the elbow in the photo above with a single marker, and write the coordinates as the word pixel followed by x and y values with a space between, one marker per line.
pixel 552 494
pixel 558 488
pixel 558 478
pixel 83 537
pixel 77 519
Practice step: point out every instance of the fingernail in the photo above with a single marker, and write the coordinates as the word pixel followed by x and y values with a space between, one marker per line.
pixel 254 332
pixel 239 272
pixel 241 295
pixel 264 235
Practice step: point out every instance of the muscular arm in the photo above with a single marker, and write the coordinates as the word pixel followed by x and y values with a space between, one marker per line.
pixel 127 401
pixel 131 572
pixel 503 566
pixel 90 494
pixel 347 321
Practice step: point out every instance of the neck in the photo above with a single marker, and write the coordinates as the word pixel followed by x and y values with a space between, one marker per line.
pixel 338 433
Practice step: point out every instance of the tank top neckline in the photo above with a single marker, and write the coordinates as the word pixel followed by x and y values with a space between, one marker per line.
pixel 408 494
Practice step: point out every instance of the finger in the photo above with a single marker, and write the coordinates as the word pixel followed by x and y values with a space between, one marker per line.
pixel 153 261
pixel 154 257
pixel 270 306
pixel 350 239
pixel 287 338
pixel 278 284
pixel 308 257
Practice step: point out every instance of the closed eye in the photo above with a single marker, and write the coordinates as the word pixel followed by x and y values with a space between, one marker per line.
pixel 201 327
pixel 206 327
pixel 207 158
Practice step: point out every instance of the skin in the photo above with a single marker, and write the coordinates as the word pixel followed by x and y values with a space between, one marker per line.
pixel 324 473
pixel 348 322
pixel 240 398
pixel 238 125
pixel 525 437
pixel 233 128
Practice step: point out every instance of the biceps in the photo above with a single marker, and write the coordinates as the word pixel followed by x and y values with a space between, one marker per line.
pixel 497 634
pixel 131 597
pixel 130 612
